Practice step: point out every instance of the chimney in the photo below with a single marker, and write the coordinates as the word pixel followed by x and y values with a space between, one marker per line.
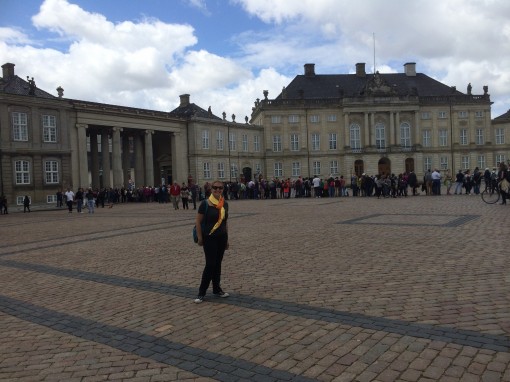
pixel 360 69
pixel 309 70
pixel 7 71
pixel 184 100
pixel 410 69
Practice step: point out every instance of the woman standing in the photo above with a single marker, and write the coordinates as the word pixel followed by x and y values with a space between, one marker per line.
pixel 212 232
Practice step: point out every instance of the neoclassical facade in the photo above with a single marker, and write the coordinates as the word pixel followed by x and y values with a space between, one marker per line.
pixel 376 123
pixel 318 125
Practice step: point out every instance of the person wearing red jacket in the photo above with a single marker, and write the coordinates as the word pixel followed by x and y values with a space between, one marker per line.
pixel 175 195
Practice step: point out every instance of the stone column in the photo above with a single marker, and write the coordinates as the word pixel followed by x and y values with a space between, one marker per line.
pixel 149 160
pixel 397 128
pixel 180 169
pixel 415 138
pixel 94 159
pixel 372 129
pixel 347 130
pixel 126 162
pixel 105 156
pixel 366 138
pixel 139 155
pixel 83 170
pixel 116 158
pixel 392 128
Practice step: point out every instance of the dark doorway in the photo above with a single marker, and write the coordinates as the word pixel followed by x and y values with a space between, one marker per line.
pixel 384 166
pixel 359 167
pixel 409 165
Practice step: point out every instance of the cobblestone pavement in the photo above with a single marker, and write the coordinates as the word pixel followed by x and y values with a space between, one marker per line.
pixel 343 289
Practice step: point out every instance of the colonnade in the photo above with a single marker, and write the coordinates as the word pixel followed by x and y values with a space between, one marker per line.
pixel 117 172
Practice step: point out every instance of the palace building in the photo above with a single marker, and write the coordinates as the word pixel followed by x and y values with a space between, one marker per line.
pixel 324 125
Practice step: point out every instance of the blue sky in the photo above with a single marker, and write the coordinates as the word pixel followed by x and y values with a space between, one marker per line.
pixel 224 53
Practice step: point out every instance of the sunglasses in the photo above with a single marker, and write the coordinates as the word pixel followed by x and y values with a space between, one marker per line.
pixel 217 187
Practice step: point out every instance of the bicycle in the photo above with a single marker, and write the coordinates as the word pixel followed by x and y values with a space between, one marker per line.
pixel 491 193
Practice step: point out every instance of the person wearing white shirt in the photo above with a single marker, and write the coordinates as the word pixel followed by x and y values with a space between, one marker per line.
pixel 436 182
pixel 69 199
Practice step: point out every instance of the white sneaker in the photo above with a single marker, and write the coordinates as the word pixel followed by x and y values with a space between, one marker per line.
pixel 199 299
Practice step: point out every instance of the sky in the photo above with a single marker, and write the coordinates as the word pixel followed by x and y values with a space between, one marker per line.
pixel 225 53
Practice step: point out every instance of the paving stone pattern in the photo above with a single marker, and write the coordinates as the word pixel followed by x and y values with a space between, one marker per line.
pixel 342 289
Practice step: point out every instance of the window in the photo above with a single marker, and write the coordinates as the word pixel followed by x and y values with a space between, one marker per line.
pixel 442 115
pixel 51 171
pixel 221 170
pixel 500 158
pixel 276 119
pixel 500 136
pixel 296 169
pixel 22 171
pixel 50 199
pixel 314 119
pixel 425 115
pixel 427 164
pixel 316 167
pixel 207 170
pixel 49 128
pixel 444 163
pixel 205 139
pixel 294 142
pixel 463 114
pixel 245 142
pixel 220 140
pixel 258 169
pixel 233 171
pixel 256 143
pixel 232 142
pixel 333 167
pixel 316 142
pixel 278 169
pixel 355 136
pixel 479 137
pixel 405 135
pixel 277 143
pixel 20 199
pixel 332 141
pixel 331 118
pixel 481 162
pixel 464 160
pixel 443 137
pixel 293 118
pixel 19 127
pixel 479 114
pixel 463 140
pixel 380 136
pixel 426 138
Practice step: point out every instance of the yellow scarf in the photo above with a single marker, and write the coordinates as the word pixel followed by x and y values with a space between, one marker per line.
pixel 218 204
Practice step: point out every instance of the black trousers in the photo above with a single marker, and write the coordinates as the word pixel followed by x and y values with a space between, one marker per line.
pixel 214 248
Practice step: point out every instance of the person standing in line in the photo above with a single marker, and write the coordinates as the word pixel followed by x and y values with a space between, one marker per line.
pixel 26 204
pixel 90 200
pixel 185 194
pixel 69 199
pixel 175 193
pixel 79 200
pixel 212 232
pixel 459 182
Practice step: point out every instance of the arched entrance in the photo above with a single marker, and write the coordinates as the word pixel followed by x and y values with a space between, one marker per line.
pixel 359 167
pixel 246 174
pixel 384 166
pixel 409 165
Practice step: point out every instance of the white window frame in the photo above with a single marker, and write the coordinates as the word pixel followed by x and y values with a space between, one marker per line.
pixel 479 114
pixel 463 138
pixel 207 170
pixel 221 170
pixel 333 167
pixel 405 134
pixel 232 141
pixel 316 167
pixel 427 164
pixel 233 171
pixel 293 118
pixel 275 119
pixel 205 140
pixel 278 169
pixel 331 118
pixel 442 114
pixel 481 161
pixel 294 142
pixel 220 140
pixel 296 169
pixel 19 126
pixel 51 199
pixel 51 172
pixel 480 137
pixel 316 141
pixel 315 118
pixel 463 114
pixel 442 138
pixel 425 115
pixel 355 136
pixel 426 138
pixel 333 141
pixel 256 143
pixel 500 158
pixel 22 172
pixel 500 136
pixel 443 163
pixel 380 136
pixel 464 160
pixel 245 142
pixel 49 123
pixel 277 143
